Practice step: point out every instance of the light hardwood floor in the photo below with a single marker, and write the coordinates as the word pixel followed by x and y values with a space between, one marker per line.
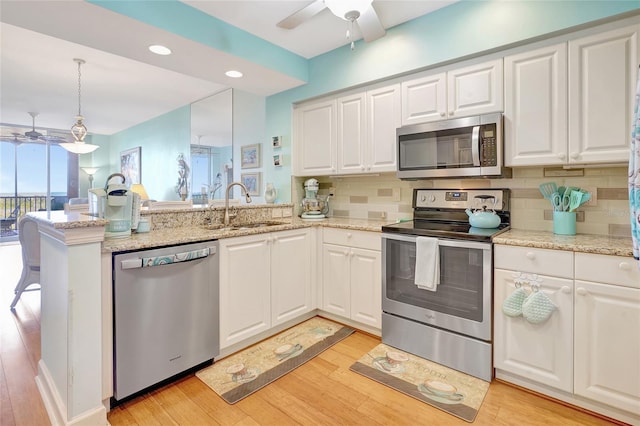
pixel 321 392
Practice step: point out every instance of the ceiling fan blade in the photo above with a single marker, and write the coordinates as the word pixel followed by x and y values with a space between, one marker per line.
pixel 302 15
pixel 370 25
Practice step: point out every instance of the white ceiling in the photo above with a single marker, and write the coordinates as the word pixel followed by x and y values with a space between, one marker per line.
pixel 122 83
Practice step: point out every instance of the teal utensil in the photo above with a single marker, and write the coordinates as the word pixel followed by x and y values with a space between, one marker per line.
pixel 575 200
pixel 560 202
pixel 548 189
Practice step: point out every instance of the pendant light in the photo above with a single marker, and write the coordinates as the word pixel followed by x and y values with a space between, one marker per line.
pixel 79 130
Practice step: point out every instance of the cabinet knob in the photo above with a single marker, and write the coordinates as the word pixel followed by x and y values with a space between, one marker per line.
pixel 362 168
pixel 530 255
pixel 581 291
pixel 565 289
pixel 575 155
pixel 274 239
pixel 451 113
pixel 349 235
pixel 346 253
pixel 561 155
pixel 624 266
pixel 442 114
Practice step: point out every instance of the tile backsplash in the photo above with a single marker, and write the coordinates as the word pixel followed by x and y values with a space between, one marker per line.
pixel 386 197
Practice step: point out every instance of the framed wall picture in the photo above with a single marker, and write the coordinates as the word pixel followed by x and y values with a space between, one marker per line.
pixel 250 156
pixel 131 165
pixel 253 182
pixel 276 141
pixel 277 160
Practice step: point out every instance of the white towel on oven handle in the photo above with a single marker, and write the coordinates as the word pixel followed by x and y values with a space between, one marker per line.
pixel 427 276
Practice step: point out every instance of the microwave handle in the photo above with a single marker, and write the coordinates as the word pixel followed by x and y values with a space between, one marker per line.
pixel 475 146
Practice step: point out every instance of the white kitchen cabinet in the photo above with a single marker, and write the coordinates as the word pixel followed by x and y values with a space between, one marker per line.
pixel 600 296
pixel 383 118
pixel 607 336
pixel 351 134
pixel 292 266
pixel 351 275
pixel 539 352
pixel 245 299
pixel 471 90
pixel 265 280
pixel 315 138
pixel 602 77
pixel 535 110
pixel 424 99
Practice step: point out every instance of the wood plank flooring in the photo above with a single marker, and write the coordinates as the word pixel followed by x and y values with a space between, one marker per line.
pixel 321 392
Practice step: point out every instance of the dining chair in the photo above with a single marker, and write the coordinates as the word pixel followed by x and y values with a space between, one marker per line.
pixel 30 242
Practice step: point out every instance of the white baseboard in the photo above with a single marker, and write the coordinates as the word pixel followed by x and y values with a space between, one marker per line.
pixel 56 408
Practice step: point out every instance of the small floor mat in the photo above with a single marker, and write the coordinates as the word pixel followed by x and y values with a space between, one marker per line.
pixel 449 390
pixel 247 371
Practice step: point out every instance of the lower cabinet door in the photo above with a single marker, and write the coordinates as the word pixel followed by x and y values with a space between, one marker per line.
pixel 245 302
pixel 291 269
pixel 540 352
pixel 366 283
pixel 607 344
pixel 335 280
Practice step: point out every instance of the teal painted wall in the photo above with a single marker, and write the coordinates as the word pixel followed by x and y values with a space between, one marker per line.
pixel 162 139
pixel 457 31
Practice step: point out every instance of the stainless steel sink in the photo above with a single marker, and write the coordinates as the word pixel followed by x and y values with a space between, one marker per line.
pixel 240 226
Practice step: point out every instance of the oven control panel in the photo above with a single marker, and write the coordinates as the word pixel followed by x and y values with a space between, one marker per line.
pixel 460 198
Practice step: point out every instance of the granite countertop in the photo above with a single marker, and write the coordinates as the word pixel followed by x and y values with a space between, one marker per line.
pixel 584 243
pixel 58 219
pixel 185 235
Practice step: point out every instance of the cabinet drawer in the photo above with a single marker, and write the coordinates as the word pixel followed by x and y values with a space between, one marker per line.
pixel 345 237
pixel 617 270
pixel 556 263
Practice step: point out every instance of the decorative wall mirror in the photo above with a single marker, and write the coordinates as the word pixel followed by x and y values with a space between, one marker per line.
pixel 211 147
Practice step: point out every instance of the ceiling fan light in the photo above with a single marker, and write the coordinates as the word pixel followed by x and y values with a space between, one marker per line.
pixel 79 147
pixel 341 8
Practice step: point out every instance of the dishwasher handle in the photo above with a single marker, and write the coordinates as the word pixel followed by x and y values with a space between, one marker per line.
pixel 147 262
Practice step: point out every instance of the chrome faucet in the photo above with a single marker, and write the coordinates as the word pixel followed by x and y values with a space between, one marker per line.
pixel 226 199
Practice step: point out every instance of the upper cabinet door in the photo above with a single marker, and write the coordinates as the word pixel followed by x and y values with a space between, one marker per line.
pixel 602 79
pixel 535 109
pixel 476 89
pixel 352 133
pixel 315 138
pixel 424 99
pixel 383 113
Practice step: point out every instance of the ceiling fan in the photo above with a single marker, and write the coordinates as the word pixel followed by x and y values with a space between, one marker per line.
pixel 358 11
pixel 32 135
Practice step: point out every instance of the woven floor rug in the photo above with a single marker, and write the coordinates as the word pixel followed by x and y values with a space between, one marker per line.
pixel 449 390
pixel 241 374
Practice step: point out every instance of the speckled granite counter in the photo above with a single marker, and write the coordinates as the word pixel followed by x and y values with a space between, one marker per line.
pixel 586 243
pixel 191 234
pixel 61 220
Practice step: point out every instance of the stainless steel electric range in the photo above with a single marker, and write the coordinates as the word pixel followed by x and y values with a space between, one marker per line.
pixel 451 323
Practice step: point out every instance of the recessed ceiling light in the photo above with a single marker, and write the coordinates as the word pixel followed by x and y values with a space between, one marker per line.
pixel 160 50
pixel 233 74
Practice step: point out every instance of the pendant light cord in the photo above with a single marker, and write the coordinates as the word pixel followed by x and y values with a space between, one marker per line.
pixel 79 88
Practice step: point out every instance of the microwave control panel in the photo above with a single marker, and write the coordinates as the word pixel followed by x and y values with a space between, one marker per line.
pixel 488 144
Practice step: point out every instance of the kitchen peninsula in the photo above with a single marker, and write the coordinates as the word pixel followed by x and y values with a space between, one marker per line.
pixel 75 370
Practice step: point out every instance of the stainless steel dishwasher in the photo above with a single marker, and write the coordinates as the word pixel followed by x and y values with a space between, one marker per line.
pixel 165 314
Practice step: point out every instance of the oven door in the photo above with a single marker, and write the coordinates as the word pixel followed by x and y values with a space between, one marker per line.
pixel 462 301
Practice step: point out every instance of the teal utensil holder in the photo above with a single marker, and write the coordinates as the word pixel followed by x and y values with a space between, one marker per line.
pixel 564 223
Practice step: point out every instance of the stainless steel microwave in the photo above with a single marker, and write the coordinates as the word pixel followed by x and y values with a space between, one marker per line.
pixel 457 148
